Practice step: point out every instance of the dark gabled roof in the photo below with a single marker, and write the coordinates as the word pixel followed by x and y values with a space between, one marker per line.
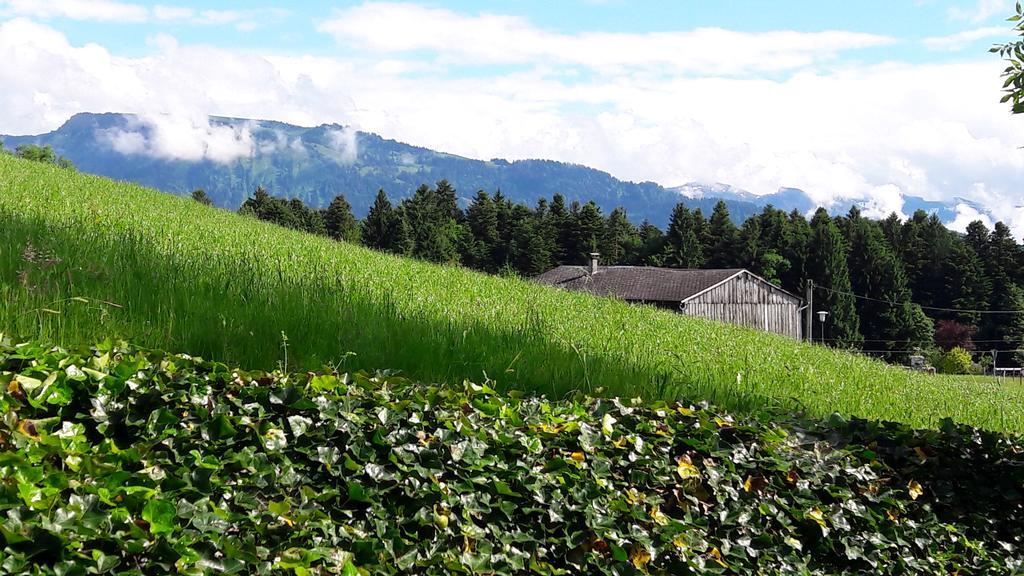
pixel 638 283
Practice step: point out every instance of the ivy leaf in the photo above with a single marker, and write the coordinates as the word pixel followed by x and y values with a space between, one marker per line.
pixel 608 424
pixel 299 425
pixel 220 428
pixel 104 563
pixel 160 515
pixel 504 489
pixel 685 468
pixel 275 440
pixel 915 490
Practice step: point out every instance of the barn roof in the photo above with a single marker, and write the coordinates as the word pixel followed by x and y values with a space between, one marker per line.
pixel 639 283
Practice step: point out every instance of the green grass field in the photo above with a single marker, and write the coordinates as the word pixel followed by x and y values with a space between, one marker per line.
pixel 85 257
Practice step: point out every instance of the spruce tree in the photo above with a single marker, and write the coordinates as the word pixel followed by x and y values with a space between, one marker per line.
pixel 447 202
pixel 892 229
pixel 546 237
pixel 682 243
pixel 527 253
pixel 199 195
pixel 436 235
pixel 256 204
pixel 749 246
pixel 620 241
pixel 403 241
pixel 482 223
pixel 702 230
pixel 501 252
pixel 652 245
pixel 977 237
pixel 588 230
pixel 926 246
pixel 889 320
pixel 796 251
pixel 306 219
pixel 560 222
pixel 966 283
pixel 722 234
pixel 1006 325
pixel 829 271
pixel 1002 254
pixel 774 228
pixel 341 224
pixel 379 229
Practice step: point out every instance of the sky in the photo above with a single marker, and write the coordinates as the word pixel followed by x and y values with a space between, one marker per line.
pixel 869 99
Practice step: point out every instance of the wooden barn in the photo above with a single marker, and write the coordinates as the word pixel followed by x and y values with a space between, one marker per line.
pixel 736 296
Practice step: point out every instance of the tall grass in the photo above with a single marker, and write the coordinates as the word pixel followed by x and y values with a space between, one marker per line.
pixel 83 258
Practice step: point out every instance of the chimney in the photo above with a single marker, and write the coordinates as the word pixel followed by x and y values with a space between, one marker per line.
pixel 594 257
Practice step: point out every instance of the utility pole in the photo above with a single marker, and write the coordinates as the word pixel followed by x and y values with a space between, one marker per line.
pixel 809 312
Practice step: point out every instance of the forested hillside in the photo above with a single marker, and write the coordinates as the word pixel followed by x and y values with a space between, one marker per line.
pixel 890 286
pixel 315 164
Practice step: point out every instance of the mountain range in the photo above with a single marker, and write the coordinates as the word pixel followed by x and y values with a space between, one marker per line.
pixel 230 157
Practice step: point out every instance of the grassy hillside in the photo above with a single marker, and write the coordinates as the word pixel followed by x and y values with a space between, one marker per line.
pixel 84 257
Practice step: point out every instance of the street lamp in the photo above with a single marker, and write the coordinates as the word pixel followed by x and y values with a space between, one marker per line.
pixel 821 318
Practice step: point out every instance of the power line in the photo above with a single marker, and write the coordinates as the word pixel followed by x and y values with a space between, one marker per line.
pixel 909 351
pixel 936 308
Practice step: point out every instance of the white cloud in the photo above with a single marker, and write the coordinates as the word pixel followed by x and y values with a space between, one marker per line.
pixel 961 40
pixel 344 142
pixel 883 201
pixel 243 20
pixel 393 28
pixel 161 12
pixel 965 214
pixel 280 142
pixel 182 137
pixel 126 141
pixel 839 132
pixel 980 11
pixel 98 10
pixel 115 11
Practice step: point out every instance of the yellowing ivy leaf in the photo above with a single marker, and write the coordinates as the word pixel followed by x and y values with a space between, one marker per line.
pixel 716 555
pixel 578 456
pixel 680 542
pixel 28 428
pixel 633 496
pixel 658 516
pixel 754 483
pixel 441 518
pixel 639 556
pixel 915 490
pixel 686 469
pixel 816 515
pixel 608 424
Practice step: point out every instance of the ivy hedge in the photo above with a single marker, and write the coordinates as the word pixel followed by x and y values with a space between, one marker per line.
pixel 124 461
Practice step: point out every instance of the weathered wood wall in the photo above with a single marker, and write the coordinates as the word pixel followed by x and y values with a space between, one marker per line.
pixel 747 301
